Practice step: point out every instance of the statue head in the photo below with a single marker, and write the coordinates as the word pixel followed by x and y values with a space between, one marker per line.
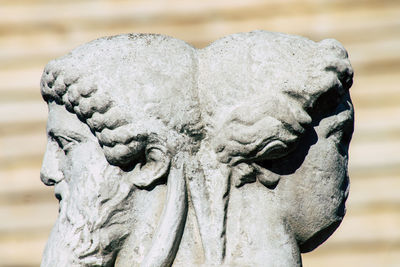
pixel 250 134
pixel 279 117
pixel 122 112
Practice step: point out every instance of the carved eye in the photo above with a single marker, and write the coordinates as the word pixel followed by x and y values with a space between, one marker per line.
pixel 274 149
pixel 65 143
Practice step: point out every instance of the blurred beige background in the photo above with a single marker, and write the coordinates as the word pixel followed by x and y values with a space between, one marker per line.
pixel 34 31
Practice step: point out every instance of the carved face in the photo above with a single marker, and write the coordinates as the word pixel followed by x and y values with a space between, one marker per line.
pixel 301 191
pixel 313 184
pixel 304 188
pixel 124 96
pixel 85 186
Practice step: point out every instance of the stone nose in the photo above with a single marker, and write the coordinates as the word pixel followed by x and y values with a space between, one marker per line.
pixel 50 173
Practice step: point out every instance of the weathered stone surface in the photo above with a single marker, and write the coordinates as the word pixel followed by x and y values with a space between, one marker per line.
pixel 162 154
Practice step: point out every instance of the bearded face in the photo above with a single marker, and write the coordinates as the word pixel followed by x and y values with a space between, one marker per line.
pixel 86 233
pixel 114 126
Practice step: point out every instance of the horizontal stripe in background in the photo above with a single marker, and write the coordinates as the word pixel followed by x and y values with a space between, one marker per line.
pixel 34 32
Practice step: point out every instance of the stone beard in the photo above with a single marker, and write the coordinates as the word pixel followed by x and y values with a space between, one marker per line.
pixel 93 208
pixel 165 155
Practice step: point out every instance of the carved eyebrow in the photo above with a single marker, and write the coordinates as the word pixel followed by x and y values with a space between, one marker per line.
pixel 66 135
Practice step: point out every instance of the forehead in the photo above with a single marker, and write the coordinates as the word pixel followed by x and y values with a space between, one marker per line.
pixel 60 121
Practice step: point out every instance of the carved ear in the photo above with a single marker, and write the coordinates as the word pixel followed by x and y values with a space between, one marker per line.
pixel 155 167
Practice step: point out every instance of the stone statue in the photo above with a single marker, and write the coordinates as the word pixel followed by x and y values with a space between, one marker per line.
pixel 165 155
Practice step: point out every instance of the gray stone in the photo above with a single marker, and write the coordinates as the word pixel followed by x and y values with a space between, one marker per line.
pixel 162 154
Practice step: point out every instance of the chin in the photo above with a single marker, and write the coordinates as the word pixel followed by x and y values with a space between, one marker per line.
pixel 333 218
pixel 72 249
pixel 319 237
pixel 84 241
